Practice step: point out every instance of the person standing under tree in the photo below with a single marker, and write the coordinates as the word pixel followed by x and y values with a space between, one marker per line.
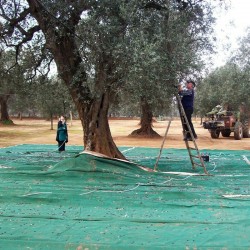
pixel 62 134
pixel 187 100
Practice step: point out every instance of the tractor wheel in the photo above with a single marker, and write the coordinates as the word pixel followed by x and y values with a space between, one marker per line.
pixel 225 133
pixel 238 131
pixel 246 129
pixel 215 133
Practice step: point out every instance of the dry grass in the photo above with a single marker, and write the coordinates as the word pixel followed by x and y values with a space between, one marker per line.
pixel 34 131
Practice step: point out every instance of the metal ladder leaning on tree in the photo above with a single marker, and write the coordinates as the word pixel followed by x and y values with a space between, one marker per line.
pixel 194 153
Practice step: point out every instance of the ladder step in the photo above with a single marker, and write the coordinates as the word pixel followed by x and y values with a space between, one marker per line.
pixel 198 164
pixel 195 156
pixel 192 148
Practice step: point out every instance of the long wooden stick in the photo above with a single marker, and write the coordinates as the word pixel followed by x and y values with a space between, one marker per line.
pixel 164 139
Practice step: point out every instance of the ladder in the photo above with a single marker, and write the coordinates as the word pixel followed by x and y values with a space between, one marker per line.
pixel 193 151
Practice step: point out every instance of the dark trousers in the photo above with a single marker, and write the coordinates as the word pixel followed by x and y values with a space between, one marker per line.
pixel 189 112
pixel 61 145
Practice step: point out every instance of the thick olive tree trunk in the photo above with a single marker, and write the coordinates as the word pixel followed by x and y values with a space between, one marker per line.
pixel 92 104
pixel 97 135
pixel 146 121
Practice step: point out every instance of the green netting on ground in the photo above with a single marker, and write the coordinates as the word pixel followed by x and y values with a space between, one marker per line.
pixel 50 200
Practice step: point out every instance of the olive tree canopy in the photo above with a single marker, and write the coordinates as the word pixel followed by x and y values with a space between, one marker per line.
pixel 90 42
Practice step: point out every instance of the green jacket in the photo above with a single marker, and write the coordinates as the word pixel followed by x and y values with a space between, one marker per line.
pixel 62 132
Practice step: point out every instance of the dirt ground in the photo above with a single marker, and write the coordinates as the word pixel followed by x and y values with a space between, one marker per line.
pixel 33 131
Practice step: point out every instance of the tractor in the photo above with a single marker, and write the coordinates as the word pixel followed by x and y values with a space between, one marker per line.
pixel 227 122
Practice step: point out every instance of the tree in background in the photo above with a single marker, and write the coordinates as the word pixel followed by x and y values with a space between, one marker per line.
pixel 11 78
pixel 24 93
pixel 21 94
pixel 167 46
pixel 229 84
pixel 219 89
pixel 52 98
pixel 242 78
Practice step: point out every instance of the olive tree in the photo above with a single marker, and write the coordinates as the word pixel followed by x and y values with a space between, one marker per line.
pixel 168 45
pixel 11 83
pixel 53 27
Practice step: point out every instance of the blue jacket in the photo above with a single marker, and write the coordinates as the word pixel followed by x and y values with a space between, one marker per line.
pixel 187 99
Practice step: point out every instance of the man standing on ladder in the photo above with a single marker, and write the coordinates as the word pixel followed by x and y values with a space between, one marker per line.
pixel 187 100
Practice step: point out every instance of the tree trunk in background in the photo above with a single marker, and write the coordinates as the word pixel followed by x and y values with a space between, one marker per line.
pixel 4 108
pixel 145 122
pixel 21 116
pixel 51 122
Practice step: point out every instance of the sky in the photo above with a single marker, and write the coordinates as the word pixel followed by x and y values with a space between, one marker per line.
pixel 231 25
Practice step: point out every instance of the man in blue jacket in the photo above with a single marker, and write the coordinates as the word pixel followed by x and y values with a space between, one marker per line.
pixel 187 101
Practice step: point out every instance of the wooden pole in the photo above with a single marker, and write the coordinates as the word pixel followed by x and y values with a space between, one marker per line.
pixel 164 139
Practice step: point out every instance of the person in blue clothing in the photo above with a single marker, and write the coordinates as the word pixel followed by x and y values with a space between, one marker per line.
pixel 62 134
pixel 187 101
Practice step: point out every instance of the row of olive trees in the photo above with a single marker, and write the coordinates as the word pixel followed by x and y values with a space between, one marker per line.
pixel 107 48
pixel 39 96
pixel 229 84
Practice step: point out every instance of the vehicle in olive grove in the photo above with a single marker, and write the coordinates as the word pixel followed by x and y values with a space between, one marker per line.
pixel 227 122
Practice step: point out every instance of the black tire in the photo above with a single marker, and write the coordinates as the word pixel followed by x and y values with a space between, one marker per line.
pixel 246 129
pixel 225 133
pixel 215 133
pixel 238 131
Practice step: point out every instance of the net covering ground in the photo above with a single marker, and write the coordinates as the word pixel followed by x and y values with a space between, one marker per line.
pixel 78 201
